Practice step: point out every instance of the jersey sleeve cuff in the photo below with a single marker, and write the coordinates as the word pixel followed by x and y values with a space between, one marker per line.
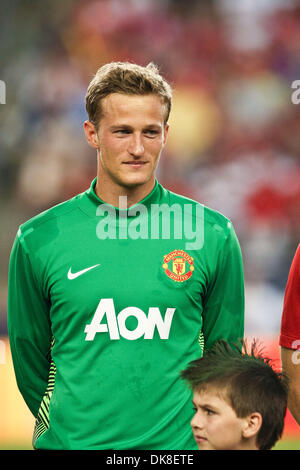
pixel 290 342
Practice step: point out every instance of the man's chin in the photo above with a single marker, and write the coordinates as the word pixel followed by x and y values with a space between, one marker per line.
pixel 133 181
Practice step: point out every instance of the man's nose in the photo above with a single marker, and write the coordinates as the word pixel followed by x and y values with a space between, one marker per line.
pixel 136 146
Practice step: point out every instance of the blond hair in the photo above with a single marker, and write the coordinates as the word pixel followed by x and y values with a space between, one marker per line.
pixel 126 78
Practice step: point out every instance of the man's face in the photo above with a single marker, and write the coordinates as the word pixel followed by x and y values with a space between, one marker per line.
pixel 215 424
pixel 130 138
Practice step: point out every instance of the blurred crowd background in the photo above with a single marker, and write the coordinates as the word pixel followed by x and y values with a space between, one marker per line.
pixel 233 144
pixel 234 140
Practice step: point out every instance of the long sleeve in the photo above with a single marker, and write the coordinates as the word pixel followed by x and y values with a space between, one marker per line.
pixel 290 321
pixel 28 327
pixel 223 315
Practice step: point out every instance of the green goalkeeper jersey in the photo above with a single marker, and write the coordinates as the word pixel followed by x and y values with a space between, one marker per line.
pixel 106 306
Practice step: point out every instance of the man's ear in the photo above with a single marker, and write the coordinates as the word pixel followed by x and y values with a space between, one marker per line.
pixel 166 129
pixel 252 425
pixel 91 134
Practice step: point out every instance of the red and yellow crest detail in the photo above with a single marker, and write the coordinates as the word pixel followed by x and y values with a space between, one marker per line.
pixel 178 265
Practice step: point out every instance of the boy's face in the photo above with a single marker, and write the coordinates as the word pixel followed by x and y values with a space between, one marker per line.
pixel 215 424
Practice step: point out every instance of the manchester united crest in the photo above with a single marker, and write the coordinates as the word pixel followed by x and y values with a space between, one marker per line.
pixel 178 265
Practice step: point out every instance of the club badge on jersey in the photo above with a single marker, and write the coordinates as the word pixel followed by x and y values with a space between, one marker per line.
pixel 178 265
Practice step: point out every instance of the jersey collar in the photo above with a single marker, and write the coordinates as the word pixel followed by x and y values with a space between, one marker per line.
pixel 89 201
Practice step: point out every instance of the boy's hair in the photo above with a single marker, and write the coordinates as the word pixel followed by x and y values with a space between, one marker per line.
pixel 126 78
pixel 247 381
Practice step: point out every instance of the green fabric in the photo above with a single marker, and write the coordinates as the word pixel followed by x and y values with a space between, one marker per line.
pixel 123 330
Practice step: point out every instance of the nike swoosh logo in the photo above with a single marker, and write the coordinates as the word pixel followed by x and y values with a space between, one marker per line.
pixel 79 273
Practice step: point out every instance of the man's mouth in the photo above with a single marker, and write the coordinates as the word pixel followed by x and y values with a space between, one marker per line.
pixel 135 164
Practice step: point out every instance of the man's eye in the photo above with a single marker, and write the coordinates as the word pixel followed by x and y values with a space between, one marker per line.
pixel 151 133
pixel 122 131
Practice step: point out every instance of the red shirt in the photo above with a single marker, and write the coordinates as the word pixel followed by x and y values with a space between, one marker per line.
pixel 290 322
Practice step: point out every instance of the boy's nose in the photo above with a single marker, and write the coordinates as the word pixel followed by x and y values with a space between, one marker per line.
pixel 196 422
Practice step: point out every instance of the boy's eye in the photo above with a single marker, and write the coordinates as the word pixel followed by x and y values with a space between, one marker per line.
pixel 209 412
pixel 194 409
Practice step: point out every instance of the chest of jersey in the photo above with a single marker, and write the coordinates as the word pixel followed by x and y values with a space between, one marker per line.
pixel 125 289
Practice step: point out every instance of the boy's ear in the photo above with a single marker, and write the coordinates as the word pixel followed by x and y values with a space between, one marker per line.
pixel 252 425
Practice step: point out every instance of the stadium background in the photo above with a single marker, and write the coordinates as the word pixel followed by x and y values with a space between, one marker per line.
pixel 234 141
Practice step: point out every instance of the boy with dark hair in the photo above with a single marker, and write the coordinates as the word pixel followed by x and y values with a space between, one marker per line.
pixel 239 400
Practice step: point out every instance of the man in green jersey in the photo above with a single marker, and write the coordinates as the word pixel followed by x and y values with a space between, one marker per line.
pixel 113 292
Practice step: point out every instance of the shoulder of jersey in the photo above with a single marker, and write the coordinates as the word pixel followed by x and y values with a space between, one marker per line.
pixel 212 218
pixel 45 219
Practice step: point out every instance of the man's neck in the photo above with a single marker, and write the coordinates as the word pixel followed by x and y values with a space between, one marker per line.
pixel 121 196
